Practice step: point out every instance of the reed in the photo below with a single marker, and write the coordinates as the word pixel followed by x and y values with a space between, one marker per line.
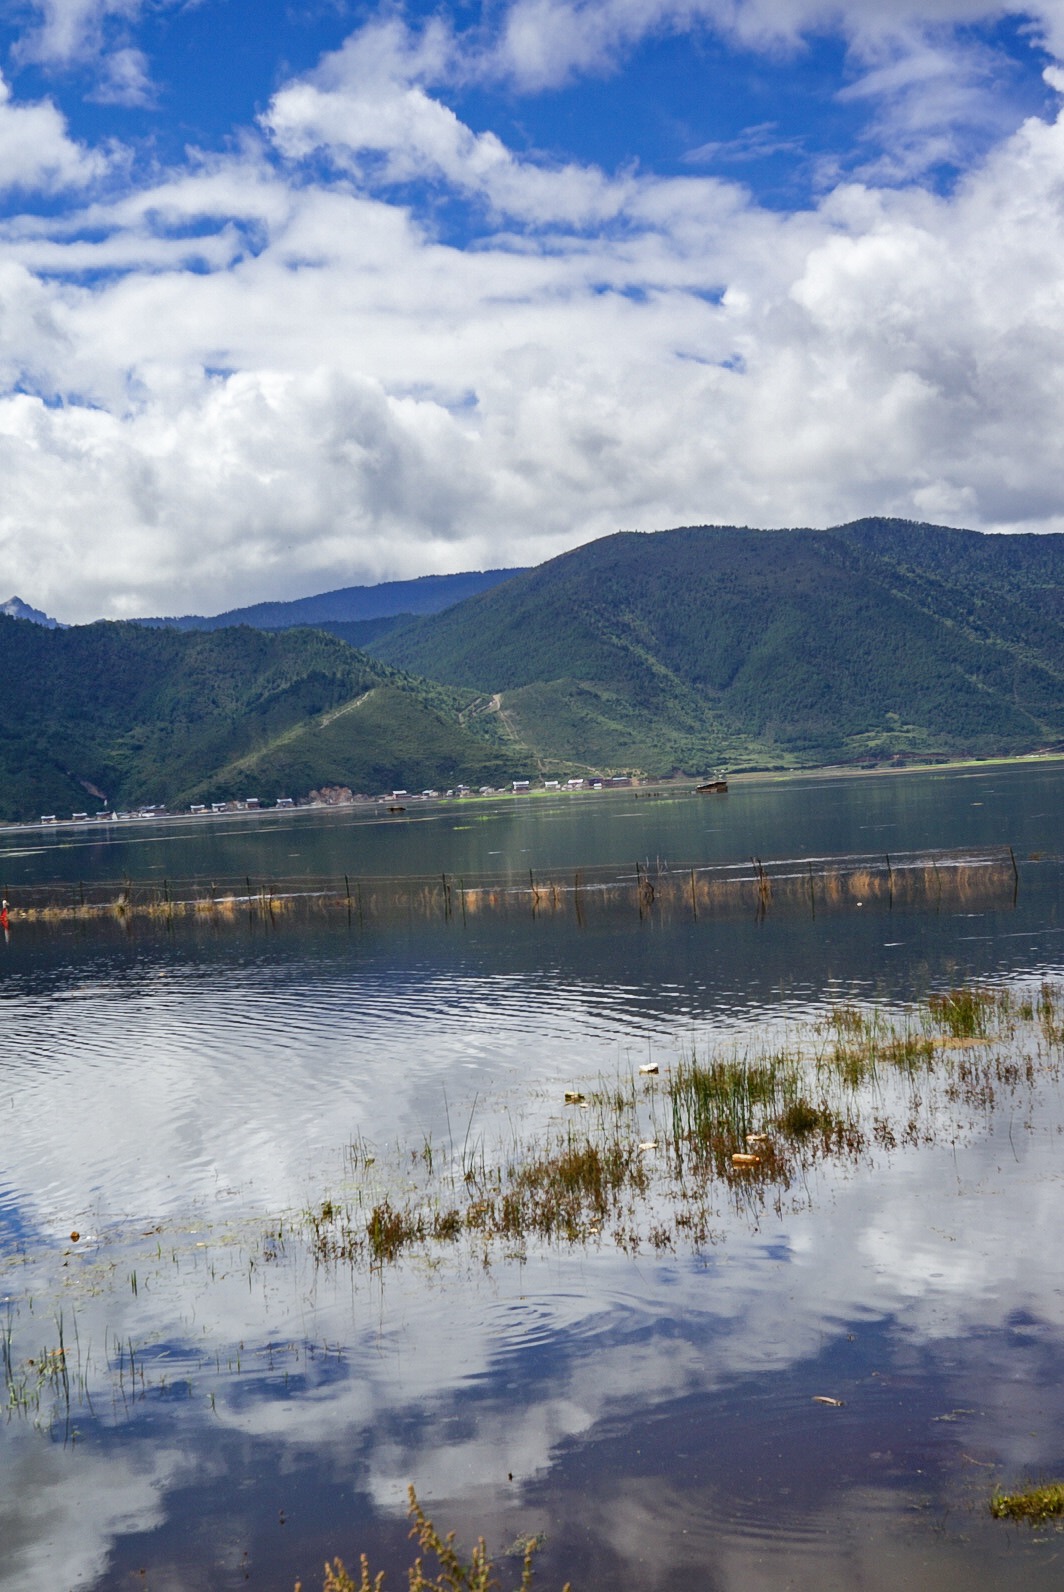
pixel 653 891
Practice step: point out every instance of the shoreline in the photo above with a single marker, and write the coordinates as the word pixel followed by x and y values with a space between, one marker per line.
pixel 382 807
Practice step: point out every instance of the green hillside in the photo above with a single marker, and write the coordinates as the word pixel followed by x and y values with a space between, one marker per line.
pixel 124 714
pixel 688 649
pixel 712 645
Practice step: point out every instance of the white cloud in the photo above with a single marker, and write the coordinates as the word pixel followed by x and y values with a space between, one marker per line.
pixel 36 152
pixel 543 43
pixel 97 35
pixel 249 379
pixel 933 92
pixel 368 108
pixel 69 31
pixel 125 79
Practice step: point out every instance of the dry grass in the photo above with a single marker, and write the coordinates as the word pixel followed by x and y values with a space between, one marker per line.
pixel 651 890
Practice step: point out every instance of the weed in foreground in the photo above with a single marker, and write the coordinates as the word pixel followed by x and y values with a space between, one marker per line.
pixel 1036 1504
pixel 453 1574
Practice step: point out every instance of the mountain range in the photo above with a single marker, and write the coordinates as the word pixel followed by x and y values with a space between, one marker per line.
pixel 349 606
pixel 708 647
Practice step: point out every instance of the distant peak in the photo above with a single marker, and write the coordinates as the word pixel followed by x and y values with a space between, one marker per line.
pixel 15 608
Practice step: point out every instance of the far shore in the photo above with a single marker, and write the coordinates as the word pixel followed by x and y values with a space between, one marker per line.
pixel 398 805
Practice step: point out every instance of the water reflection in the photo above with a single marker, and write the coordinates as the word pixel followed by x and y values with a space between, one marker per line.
pixel 657 1420
pixel 226 1409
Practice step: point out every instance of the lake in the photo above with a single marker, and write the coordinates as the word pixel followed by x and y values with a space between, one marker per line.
pixel 197 1399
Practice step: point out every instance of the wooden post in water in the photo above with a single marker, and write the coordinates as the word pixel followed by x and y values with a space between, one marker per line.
pixel 890 882
pixel 694 896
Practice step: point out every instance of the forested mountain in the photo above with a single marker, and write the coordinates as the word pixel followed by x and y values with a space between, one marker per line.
pixel 700 648
pixel 120 714
pixel 720 645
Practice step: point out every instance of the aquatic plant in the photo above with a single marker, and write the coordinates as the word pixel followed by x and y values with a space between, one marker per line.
pixel 1037 1503
pixel 965 1013
pixel 651 1154
pixel 453 1573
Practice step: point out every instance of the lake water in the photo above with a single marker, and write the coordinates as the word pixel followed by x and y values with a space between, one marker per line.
pixel 232 1412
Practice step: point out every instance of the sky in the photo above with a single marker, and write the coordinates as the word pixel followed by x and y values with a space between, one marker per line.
pixel 302 295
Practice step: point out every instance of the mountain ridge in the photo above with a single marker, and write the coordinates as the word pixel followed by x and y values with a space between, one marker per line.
pixel 426 594
pixel 877 637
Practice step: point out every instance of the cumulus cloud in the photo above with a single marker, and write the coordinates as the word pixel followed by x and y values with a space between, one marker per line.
pixel 368 109
pixel 263 372
pixel 36 152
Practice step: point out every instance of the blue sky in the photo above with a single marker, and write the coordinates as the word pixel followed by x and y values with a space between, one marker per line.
pixel 296 296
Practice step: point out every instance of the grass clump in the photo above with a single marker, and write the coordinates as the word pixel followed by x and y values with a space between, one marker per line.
pixel 453 1573
pixel 965 1013
pixel 389 1230
pixel 717 1104
pixel 652 1154
pixel 571 1191
pixel 1037 1503
pixel 801 1119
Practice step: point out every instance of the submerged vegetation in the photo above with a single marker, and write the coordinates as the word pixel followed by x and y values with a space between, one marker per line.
pixel 453 1574
pixel 646 1159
